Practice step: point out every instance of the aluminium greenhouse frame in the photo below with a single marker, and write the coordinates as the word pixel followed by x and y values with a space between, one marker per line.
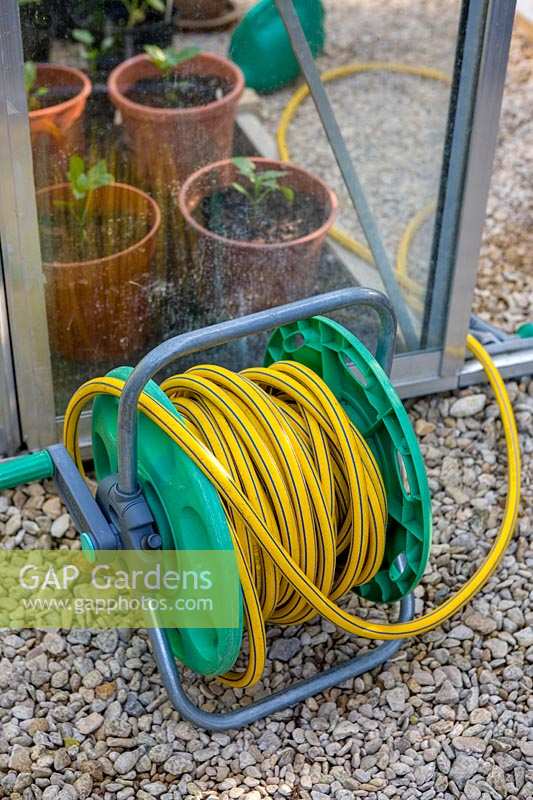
pixel 27 415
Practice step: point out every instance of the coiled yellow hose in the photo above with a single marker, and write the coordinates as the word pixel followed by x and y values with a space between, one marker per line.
pixel 304 499
pixel 414 291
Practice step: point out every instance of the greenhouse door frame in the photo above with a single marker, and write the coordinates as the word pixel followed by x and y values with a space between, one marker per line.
pixel 27 415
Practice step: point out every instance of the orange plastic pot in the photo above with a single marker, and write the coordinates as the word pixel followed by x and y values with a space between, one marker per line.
pixel 168 144
pixel 57 131
pixel 233 277
pixel 99 310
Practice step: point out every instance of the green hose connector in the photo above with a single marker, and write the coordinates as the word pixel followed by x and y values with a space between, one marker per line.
pixel 24 469
pixel 525 331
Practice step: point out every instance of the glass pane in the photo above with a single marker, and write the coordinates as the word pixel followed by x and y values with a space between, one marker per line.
pixel 128 101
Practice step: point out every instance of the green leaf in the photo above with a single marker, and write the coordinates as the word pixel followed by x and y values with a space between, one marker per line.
pixel 83 36
pixel 240 189
pixel 99 176
pixel 287 193
pixel 76 167
pixel 107 43
pixel 30 75
pixel 77 193
pixel 136 15
pixel 270 174
pixel 156 55
pixel 157 5
pixel 175 57
pixel 245 166
pixel 41 91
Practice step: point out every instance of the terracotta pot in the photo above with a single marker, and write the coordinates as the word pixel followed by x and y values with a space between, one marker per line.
pixel 167 145
pixel 57 131
pixel 99 310
pixel 238 277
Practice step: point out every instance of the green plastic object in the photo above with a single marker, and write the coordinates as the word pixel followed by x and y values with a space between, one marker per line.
pixel 87 546
pixel 260 45
pixel 187 511
pixel 25 469
pixel 368 397
pixel 525 331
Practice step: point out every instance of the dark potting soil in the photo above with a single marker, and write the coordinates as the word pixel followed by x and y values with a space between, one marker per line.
pixel 178 91
pixel 54 96
pixel 230 214
pixel 63 240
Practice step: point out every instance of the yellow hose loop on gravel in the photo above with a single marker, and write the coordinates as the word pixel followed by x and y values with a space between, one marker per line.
pixel 303 495
pixel 415 292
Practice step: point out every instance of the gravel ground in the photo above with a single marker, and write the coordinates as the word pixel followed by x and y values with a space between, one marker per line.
pixel 84 716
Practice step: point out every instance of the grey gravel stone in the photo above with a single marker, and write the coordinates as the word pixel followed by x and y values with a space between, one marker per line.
pixel 447 693
pixel 284 649
pixel 396 698
pixel 498 647
pixel 126 762
pixel 90 723
pixel 179 763
pixel 463 768
pixel 20 759
pixel 468 406
pixel 60 526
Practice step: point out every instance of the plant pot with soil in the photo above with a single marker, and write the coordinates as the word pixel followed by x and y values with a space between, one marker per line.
pixel 178 112
pixel 206 14
pixel 57 97
pixel 97 242
pixel 256 230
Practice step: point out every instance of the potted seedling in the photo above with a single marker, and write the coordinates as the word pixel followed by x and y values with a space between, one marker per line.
pixel 257 228
pixel 177 109
pixel 97 242
pixel 56 98
pixel 112 31
pixel 93 48
pixel 139 21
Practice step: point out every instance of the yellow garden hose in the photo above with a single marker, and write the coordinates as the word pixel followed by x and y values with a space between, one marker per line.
pixel 415 292
pixel 303 495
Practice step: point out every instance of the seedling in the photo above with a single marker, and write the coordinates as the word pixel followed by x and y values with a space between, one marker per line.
pixel 83 182
pixel 167 60
pixel 92 51
pixel 33 92
pixel 259 184
pixel 138 9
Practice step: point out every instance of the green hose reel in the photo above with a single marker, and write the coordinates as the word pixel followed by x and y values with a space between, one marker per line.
pixel 188 510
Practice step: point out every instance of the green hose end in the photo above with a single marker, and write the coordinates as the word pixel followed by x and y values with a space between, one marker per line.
pixel 25 469
pixel 525 331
